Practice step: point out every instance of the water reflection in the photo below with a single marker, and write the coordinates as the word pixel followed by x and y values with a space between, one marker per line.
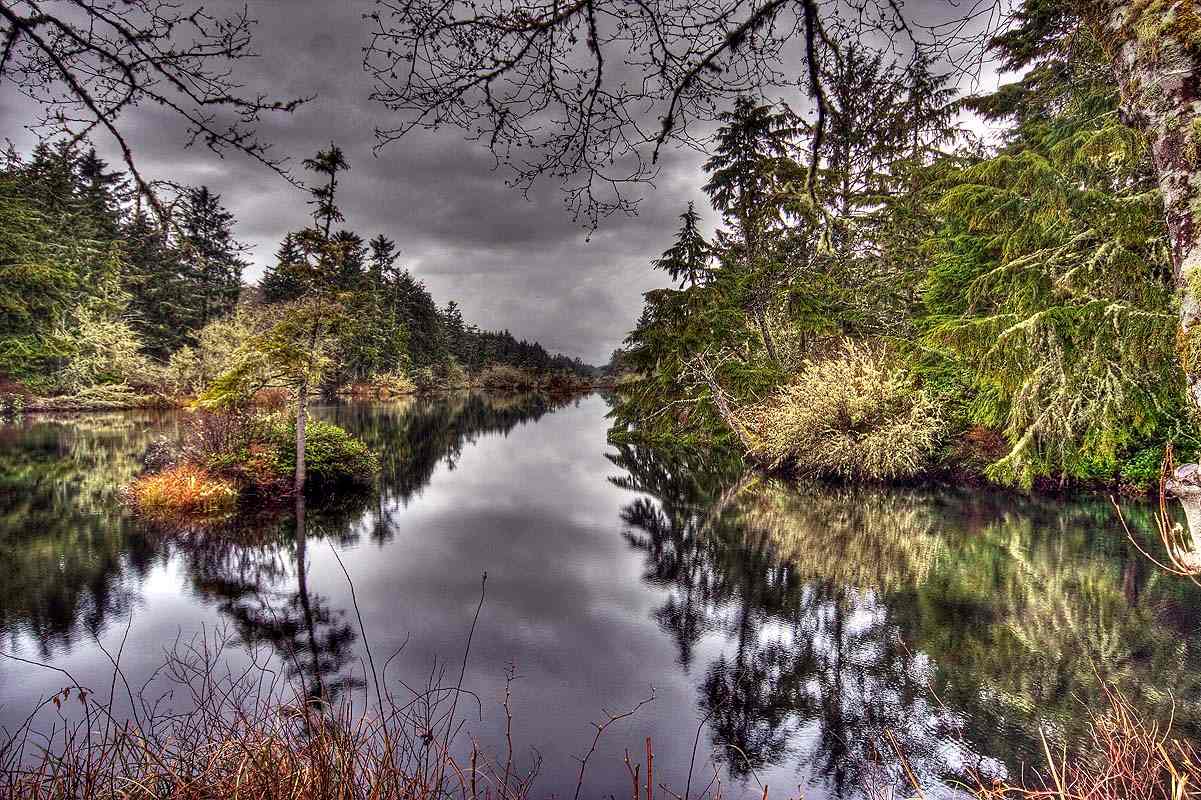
pixel 68 556
pixel 818 633
pixel 858 625
pixel 73 558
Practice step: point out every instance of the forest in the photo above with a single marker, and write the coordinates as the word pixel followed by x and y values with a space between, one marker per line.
pixel 110 300
pixel 937 301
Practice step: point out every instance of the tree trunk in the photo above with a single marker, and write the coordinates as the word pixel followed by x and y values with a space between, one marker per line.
pixel 1155 48
pixel 723 406
pixel 302 413
pixel 768 341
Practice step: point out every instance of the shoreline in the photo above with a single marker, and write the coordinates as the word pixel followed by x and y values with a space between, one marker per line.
pixel 64 406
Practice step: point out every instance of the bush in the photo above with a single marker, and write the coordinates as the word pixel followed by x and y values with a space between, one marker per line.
pixel 854 416
pixel 506 376
pixel 332 456
pixel 104 352
pixel 184 489
pixel 192 368
pixel 1142 467
pixel 451 374
pixel 445 375
pixel 103 397
pixel 381 387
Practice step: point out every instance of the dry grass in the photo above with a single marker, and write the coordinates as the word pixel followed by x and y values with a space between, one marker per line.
pixel 255 735
pixel 854 416
pixel 1124 758
pixel 184 489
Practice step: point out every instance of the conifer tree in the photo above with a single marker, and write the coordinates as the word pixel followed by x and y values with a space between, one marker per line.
pixel 687 260
pixel 162 305
pixel 213 258
pixel 1050 277
pixel 280 281
pixel 752 145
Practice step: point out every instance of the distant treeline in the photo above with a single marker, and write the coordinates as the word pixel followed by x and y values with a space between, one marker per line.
pixel 100 287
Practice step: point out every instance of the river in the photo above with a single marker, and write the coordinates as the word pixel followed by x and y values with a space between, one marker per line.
pixel 810 633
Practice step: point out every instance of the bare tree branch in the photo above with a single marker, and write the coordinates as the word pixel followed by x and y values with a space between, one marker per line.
pixel 588 92
pixel 85 62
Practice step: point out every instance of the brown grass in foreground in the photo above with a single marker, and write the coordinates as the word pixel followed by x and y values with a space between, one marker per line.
pixel 255 734
pixel 241 742
pixel 1124 758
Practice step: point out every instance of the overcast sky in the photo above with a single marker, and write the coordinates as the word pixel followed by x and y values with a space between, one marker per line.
pixel 510 262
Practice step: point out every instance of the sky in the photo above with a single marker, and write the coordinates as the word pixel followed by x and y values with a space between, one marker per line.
pixel 511 262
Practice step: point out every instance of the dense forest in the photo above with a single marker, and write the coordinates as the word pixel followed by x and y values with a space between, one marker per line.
pixel 932 300
pixel 109 299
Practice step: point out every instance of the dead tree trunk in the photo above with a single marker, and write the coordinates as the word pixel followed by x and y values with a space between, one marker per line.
pixel 722 403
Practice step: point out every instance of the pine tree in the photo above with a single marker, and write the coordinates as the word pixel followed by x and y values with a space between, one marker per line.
pixel 687 260
pixel 213 258
pixel 162 304
pixel 102 195
pixel 281 280
pixel 752 149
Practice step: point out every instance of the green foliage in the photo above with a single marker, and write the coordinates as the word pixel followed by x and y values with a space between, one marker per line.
pixel 687 261
pixel 104 351
pixel 192 368
pixel 333 457
pixel 855 416
pixel 1028 288
pixel 1050 281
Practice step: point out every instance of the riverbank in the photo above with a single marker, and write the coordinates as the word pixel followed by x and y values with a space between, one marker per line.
pixel 12 405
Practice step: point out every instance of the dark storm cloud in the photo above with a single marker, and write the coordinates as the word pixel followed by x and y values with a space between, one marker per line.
pixel 511 262
pixel 515 263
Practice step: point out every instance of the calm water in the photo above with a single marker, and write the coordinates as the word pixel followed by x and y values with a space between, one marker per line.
pixel 797 624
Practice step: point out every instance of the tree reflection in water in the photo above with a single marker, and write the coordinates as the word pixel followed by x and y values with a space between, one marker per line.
pixel 72 555
pixel 811 621
pixel 857 624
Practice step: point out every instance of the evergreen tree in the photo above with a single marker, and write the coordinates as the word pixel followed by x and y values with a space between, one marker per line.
pixel 162 304
pixel 687 260
pixel 1051 280
pixel 102 195
pixel 212 257
pixel 751 154
pixel 281 280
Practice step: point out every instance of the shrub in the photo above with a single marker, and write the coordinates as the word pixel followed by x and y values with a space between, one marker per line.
pixel 424 379
pixel 451 374
pixel 192 368
pixel 381 387
pixel 102 397
pixel 105 351
pixel 506 376
pixel 854 416
pixel 161 455
pixel 1142 467
pixel 332 456
pixel 184 489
